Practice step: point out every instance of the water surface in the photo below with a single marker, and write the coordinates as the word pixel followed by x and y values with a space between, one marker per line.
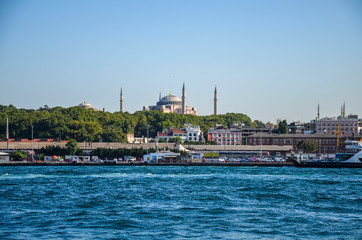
pixel 148 202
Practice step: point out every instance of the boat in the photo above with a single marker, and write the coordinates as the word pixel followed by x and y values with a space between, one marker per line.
pixel 352 159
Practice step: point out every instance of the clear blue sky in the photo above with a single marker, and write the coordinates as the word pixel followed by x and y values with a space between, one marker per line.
pixel 269 59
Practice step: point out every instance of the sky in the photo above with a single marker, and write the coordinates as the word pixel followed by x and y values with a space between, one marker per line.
pixel 269 59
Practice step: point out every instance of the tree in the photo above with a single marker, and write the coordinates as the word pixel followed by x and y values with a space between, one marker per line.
pixel 18 155
pixel 175 140
pixel 283 127
pixel 127 126
pixel 308 145
pixel 88 124
pixel 51 150
pixel 258 124
pixel 72 146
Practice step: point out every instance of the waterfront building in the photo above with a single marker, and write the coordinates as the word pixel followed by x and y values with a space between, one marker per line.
pixel 4 157
pixel 188 133
pixel 173 104
pixel 160 157
pixel 327 143
pixel 235 135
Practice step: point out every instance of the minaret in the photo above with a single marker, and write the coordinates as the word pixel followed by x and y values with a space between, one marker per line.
pixel 159 98
pixel 121 101
pixel 183 99
pixel 343 110
pixel 215 101
pixel 318 114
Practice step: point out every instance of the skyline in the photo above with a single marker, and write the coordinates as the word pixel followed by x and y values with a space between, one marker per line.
pixel 269 60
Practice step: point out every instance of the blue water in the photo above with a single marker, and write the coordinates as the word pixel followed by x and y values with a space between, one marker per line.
pixel 130 202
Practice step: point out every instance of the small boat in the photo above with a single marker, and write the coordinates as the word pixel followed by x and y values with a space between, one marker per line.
pixel 353 159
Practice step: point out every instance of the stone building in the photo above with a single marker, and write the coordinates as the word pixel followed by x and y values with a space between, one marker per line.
pixel 327 143
pixel 235 135
pixel 348 125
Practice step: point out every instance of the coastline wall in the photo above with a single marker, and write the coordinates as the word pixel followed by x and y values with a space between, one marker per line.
pixel 115 145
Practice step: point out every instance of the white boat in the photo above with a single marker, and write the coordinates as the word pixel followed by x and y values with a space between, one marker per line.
pixel 354 154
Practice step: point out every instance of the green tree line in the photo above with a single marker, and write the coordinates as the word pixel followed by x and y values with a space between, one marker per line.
pixel 90 125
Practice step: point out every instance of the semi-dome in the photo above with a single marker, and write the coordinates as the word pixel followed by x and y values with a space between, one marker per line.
pixel 169 100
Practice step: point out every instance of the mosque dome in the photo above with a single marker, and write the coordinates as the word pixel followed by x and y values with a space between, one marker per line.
pixel 85 105
pixel 169 100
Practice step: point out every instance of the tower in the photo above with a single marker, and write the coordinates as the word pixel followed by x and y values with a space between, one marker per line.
pixel 159 98
pixel 183 99
pixel 121 101
pixel 318 114
pixel 343 110
pixel 215 101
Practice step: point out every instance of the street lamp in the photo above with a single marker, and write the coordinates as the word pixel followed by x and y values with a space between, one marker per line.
pixel 148 129
pixel 32 142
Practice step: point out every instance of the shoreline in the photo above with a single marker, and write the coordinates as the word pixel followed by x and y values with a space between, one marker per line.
pixel 230 164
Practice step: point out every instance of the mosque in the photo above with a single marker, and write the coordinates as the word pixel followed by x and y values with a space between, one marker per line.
pixel 87 105
pixel 173 104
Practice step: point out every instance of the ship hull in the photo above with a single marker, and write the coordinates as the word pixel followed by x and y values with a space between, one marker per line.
pixel 325 164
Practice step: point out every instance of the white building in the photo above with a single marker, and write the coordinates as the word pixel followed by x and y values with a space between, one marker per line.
pixel 4 157
pixel 155 157
pixel 188 133
pixel 193 132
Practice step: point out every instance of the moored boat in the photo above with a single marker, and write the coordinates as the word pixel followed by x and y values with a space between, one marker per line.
pixel 353 159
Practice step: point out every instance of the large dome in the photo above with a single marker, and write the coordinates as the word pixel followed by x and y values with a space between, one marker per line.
pixel 85 105
pixel 169 100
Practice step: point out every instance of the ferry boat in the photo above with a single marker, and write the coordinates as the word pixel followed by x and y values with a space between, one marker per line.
pixel 352 159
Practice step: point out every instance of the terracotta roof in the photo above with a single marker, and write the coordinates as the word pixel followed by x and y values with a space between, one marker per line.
pixel 163 134
pixel 178 131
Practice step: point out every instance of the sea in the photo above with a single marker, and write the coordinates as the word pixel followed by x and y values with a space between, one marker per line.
pixel 178 202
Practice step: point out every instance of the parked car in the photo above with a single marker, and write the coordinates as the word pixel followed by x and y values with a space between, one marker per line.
pixel 129 159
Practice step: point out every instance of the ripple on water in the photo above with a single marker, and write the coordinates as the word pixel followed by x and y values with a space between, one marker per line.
pixel 110 202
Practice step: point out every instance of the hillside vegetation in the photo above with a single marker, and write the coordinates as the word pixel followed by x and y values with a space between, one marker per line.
pixel 90 125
